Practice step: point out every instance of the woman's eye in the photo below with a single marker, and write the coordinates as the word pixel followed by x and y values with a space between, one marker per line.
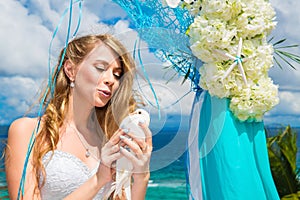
pixel 100 67
pixel 117 75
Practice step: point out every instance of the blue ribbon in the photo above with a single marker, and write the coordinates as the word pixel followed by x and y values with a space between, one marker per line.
pixel 238 59
pixel 70 10
pixel 146 76
pixel 51 85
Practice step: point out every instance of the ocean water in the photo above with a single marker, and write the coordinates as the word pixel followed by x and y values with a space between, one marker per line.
pixel 167 167
pixel 167 179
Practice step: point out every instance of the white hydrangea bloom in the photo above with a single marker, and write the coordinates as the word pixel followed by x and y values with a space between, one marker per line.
pixel 253 102
pixel 218 27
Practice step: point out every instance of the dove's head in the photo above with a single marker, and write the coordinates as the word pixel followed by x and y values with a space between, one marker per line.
pixel 144 115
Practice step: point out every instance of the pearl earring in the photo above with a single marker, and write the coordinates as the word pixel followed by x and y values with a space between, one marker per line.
pixel 72 84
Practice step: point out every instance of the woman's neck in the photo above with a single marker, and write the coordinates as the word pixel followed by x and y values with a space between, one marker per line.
pixel 82 119
pixel 82 115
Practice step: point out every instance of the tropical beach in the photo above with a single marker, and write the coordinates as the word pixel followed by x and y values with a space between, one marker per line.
pixel 166 183
pixel 247 66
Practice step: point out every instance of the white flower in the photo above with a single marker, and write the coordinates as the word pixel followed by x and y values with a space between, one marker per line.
pixel 257 18
pixel 207 35
pixel 225 10
pixel 194 7
pixel 175 3
pixel 219 25
pixel 253 102
pixel 172 3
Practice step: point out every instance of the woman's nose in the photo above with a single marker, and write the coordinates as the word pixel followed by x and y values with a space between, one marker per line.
pixel 108 78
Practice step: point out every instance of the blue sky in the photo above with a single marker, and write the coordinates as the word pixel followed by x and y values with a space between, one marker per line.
pixel 27 27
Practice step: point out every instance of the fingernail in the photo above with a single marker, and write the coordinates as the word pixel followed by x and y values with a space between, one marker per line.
pixel 125 130
pixel 122 137
pixel 126 147
pixel 122 149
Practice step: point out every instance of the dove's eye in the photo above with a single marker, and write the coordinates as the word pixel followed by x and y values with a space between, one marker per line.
pixel 139 112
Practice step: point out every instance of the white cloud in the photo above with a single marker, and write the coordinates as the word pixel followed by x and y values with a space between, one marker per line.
pixel 167 95
pixel 18 95
pixel 24 41
pixel 289 104
pixel 26 30
pixel 26 33
pixel 105 9
pixel 288 17
pixel 287 78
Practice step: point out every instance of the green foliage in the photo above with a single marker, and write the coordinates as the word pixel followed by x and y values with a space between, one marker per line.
pixel 295 196
pixel 179 59
pixel 283 55
pixel 282 150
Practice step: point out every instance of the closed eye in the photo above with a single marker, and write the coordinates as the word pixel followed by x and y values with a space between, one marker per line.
pixel 118 75
pixel 100 67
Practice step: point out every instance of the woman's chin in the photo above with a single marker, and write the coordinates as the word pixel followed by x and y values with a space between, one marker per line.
pixel 100 104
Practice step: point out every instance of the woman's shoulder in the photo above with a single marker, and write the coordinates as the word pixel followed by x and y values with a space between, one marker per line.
pixel 22 127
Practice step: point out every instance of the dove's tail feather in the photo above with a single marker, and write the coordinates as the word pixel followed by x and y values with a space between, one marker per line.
pixel 123 182
pixel 110 191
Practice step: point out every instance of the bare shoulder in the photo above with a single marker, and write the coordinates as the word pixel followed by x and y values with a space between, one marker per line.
pixel 22 129
pixel 19 134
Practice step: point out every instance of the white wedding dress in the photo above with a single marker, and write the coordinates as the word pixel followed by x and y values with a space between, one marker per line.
pixel 64 174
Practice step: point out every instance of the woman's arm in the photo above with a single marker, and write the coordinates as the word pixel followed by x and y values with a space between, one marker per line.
pixel 90 188
pixel 19 135
pixel 109 153
pixel 139 187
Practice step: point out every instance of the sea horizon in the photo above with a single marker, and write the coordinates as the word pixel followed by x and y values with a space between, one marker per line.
pixel 168 178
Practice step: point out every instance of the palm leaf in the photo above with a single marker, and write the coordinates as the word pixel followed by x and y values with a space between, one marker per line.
pixel 284 56
pixel 285 60
pixel 282 150
pixel 279 42
pixel 295 196
pixel 277 62
pixel 289 46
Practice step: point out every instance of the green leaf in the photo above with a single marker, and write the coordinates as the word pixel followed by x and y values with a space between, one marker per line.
pixel 289 46
pixel 294 196
pixel 277 62
pixel 186 75
pixel 284 55
pixel 270 39
pixel 279 42
pixel 285 60
pixel 282 150
pixel 171 77
pixel 292 56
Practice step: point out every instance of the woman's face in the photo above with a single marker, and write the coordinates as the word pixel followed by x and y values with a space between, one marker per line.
pixel 98 76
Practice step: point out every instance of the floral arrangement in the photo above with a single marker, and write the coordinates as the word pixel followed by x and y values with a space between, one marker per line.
pixel 230 37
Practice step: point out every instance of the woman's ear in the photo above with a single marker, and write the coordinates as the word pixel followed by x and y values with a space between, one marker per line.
pixel 69 69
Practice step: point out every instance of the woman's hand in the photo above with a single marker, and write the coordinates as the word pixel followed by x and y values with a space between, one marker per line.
pixel 110 152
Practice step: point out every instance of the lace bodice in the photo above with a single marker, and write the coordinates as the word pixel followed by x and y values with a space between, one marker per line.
pixel 65 173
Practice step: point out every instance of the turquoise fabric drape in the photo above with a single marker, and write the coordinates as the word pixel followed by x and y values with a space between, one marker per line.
pixel 235 166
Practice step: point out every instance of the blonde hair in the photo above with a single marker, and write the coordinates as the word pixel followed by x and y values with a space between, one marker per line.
pixel 57 107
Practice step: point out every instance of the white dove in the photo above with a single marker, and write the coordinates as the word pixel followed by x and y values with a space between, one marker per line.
pixel 124 166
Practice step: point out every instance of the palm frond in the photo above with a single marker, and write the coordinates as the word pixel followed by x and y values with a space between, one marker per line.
pixel 279 42
pixel 284 56
pixel 285 60
pixel 182 64
pixel 282 150
pixel 289 46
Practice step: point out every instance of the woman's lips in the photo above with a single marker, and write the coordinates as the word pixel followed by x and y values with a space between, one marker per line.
pixel 104 93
